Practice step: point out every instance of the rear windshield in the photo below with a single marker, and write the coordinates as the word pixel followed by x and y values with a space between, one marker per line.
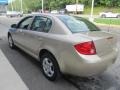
pixel 77 24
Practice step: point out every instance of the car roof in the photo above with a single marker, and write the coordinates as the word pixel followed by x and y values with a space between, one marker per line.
pixel 49 14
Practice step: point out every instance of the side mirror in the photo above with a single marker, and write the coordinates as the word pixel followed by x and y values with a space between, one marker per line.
pixel 13 26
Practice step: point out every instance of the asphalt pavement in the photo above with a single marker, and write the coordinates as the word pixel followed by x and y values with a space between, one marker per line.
pixel 29 69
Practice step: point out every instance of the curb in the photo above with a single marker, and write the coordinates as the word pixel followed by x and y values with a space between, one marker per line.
pixel 118 26
pixel 9 79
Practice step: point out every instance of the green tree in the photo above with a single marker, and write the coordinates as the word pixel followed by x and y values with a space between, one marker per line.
pixel 34 5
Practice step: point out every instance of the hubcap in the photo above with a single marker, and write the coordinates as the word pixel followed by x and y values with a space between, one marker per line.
pixel 10 42
pixel 48 67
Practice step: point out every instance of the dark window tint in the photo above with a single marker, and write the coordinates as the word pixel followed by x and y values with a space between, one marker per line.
pixel 41 24
pixel 76 24
pixel 24 24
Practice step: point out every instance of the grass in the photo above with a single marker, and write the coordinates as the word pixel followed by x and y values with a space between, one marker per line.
pixel 112 21
pixel 97 10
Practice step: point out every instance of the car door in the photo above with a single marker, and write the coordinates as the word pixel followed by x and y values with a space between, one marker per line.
pixel 22 30
pixel 39 28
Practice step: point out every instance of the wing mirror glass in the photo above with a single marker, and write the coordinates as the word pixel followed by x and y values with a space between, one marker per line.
pixel 13 25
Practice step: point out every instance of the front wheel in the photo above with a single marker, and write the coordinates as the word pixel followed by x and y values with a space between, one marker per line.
pixel 49 67
pixel 10 41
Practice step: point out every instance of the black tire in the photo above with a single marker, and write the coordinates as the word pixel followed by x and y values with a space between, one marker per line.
pixel 54 68
pixel 103 16
pixel 11 42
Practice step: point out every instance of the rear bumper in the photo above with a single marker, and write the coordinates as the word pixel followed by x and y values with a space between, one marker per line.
pixel 87 66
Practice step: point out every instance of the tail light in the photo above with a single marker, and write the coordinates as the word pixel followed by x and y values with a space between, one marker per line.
pixel 86 48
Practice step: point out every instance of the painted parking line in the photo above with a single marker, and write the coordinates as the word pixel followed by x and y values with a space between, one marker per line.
pixel 9 79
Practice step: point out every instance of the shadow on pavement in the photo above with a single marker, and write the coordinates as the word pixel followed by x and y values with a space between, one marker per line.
pixel 102 82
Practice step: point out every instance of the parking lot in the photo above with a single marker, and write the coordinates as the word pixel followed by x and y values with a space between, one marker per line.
pixel 29 69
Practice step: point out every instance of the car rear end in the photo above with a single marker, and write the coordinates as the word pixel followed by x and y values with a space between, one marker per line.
pixel 91 51
pixel 90 57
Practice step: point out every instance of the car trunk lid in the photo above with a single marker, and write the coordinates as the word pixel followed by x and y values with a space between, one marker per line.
pixel 104 42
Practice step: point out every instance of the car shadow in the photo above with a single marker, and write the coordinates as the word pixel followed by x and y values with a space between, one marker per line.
pixel 106 81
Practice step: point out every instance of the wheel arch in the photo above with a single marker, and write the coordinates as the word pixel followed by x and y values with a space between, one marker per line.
pixel 55 52
pixel 58 72
pixel 42 51
pixel 45 51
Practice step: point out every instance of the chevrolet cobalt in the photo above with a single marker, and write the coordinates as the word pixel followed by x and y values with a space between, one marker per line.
pixel 64 44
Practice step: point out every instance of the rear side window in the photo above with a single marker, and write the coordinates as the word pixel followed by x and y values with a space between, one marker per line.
pixel 77 25
pixel 41 24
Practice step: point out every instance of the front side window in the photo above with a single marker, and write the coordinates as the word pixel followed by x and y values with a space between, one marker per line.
pixel 24 24
pixel 41 24
pixel 77 25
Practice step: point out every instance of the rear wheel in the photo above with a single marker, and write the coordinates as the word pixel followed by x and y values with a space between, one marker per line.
pixel 10 41
pixel 50 67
